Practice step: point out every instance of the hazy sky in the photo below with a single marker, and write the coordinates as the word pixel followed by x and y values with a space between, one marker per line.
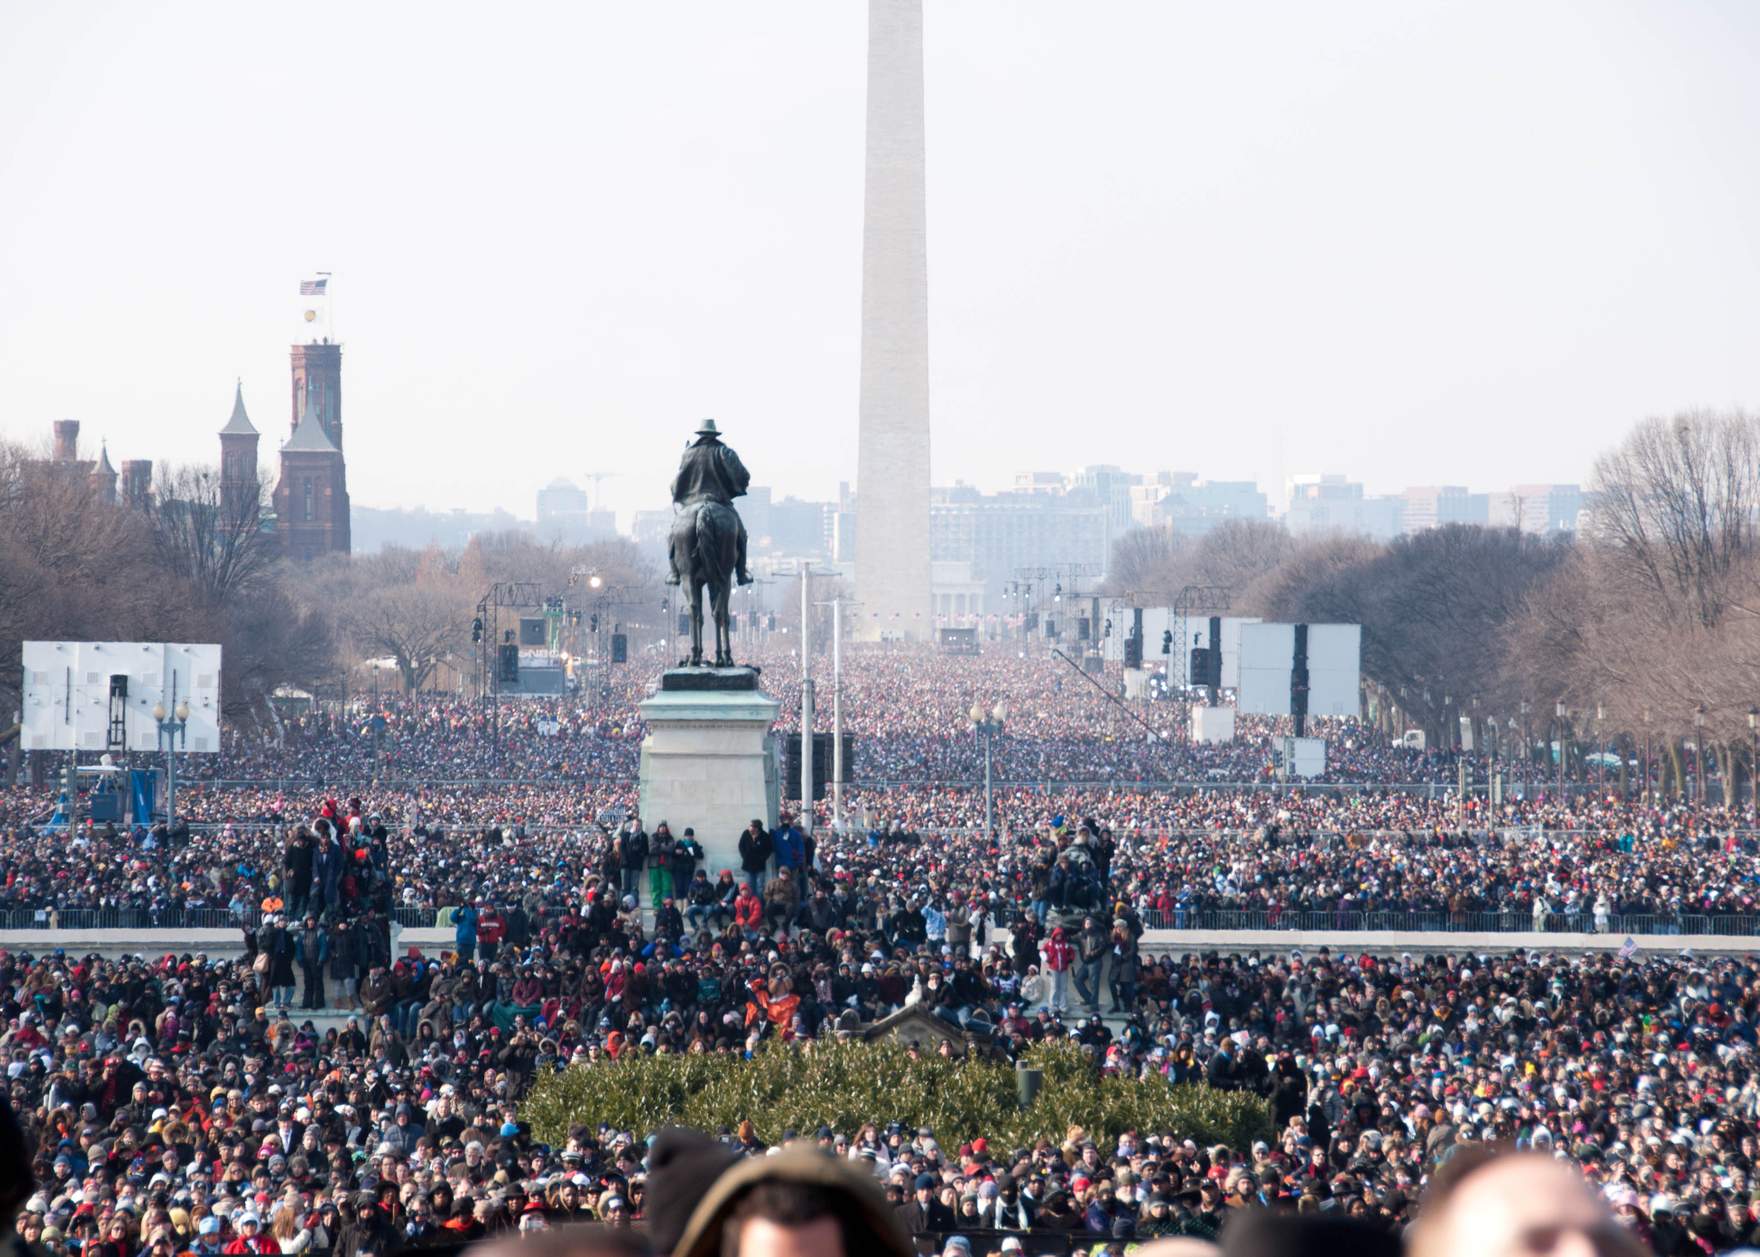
pixel 1419 242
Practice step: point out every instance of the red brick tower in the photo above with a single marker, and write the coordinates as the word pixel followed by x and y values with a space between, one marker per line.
pixel 318 365
pixel 311 498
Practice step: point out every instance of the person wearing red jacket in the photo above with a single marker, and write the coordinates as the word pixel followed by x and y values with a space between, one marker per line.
pixel 1059 956
pixel 748 910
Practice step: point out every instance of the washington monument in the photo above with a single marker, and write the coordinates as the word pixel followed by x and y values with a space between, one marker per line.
pixel 892 463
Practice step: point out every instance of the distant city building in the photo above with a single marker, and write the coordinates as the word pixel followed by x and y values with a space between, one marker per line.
pixel 1539 508
pixel 373 528
pixel 1191 507
pixel 650 529
pixel 565 515
pixel 987 538
pixel 1432 506
pixel 1330 503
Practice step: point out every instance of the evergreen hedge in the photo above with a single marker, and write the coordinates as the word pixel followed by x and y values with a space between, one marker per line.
pixel 843 1085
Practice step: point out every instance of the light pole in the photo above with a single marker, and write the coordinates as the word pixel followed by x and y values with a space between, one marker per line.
pixel 1699 749
pixel 1527 750
pixel 1753 756
pixel 987 728
pixel 172 728
pixel 1558 714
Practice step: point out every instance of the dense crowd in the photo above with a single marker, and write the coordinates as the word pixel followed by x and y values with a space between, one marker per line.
pixel 1182 859
pixel 908 712
pixel 194 1103
pixel 169 1102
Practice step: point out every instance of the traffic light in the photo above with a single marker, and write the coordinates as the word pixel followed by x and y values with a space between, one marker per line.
pixel 619 648
pixel 476 630
pixel 1167 641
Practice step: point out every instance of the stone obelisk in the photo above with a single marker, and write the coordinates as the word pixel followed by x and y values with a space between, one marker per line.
pixel 892 467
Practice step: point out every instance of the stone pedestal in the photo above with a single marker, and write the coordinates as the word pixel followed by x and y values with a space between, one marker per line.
pixel 707 762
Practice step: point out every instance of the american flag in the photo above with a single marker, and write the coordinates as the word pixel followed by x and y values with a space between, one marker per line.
pixel 313 287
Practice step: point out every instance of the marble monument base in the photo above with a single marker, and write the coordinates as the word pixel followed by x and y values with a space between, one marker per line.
pixel 707 762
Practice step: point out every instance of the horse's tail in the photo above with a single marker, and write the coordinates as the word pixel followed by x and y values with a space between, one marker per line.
pixel 711 537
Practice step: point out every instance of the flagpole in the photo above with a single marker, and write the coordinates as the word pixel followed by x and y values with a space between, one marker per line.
pixel 329 309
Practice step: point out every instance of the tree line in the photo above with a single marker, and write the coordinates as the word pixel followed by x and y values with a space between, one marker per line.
pixel 198 561
pixel 1642 628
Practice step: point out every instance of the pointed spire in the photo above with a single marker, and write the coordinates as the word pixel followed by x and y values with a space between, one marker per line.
pixel 308 434
pixel 104 468
pixel 240 423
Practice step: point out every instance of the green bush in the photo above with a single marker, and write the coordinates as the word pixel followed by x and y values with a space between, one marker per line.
pixel 843 1085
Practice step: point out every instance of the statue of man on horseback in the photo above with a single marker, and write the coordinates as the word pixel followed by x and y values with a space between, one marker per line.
pixel 708 543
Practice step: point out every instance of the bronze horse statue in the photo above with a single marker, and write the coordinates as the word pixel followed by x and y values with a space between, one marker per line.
pixel 705 540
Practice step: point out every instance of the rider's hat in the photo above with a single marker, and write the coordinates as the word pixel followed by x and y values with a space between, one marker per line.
pixel 708 429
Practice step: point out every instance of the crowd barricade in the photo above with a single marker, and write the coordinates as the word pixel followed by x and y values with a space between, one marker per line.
pixel 172 918
pixel 929 1243
pixel 1441 920
pixel 167 918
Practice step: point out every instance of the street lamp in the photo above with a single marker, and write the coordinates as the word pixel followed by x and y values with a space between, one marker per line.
pixel 172 727
pixel 987 728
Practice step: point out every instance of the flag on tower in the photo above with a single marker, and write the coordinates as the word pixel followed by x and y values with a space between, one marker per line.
pixel 313 287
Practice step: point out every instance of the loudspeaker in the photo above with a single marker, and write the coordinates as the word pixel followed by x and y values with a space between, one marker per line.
pixel 510 663
pixel 684 623
pixel 619 648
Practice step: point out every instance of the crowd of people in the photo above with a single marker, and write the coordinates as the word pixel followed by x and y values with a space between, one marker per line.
pixel 180 1100
pixel 327 1090
pixel 908 712
pixel 1182 859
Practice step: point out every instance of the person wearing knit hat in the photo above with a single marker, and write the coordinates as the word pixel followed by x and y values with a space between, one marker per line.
pixel 682 1166
pixel 799 1197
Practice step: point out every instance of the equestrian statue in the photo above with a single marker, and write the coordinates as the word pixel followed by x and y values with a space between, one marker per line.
pixel 708 544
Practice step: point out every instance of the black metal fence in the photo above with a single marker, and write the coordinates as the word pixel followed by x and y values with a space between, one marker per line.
pixel 170 918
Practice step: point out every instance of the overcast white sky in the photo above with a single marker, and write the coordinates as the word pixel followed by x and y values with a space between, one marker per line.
pixel 1417 242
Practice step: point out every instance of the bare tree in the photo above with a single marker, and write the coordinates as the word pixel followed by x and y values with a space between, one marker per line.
pixel 1679 499
pixel 212 533
pixel 1149 563
pixel 408 606
pixel 1238 551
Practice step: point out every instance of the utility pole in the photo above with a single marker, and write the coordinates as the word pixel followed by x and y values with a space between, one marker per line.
pixel 806 698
